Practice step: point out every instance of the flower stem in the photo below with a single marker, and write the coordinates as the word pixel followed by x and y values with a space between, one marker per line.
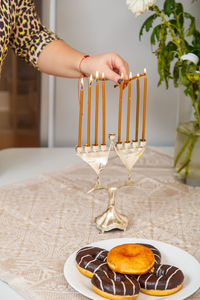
pixel 181 152
pixel 195 104
pixel 191 141
pixel 189 154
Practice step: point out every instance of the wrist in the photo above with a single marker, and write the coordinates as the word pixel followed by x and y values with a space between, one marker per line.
pixel 80 69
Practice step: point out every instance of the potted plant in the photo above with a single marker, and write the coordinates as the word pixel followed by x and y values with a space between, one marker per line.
pixel 176 43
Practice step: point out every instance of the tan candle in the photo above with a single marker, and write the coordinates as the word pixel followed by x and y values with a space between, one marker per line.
pixel 132 78
pixel 128 108
pixel 137 108
pixel 103 110
pixel 120 108
pixel 97 109
pixel 80 114
pixel 89 110
pixel 144 106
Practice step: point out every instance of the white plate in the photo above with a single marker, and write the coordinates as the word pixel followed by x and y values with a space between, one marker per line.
pixel 170 255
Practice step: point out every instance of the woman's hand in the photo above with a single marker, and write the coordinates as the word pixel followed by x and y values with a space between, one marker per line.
pixel 111 64
pixel 59 59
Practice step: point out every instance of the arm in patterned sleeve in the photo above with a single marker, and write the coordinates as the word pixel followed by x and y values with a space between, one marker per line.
pixel 28 36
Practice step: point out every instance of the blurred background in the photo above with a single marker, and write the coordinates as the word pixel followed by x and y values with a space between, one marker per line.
pixel 38 110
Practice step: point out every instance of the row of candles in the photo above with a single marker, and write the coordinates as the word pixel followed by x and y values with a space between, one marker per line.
pixel 96 110
pixel 120 108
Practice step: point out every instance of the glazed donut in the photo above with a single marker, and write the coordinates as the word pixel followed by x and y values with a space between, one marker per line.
pixel 90 259
pixel 116 286
pixel 131 259
pixel 164 280
pixel 156 252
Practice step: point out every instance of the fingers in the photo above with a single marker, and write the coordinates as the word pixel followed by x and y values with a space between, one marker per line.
pixel 120 65
pixel 115 66
pixel 111 64
pixel 112 75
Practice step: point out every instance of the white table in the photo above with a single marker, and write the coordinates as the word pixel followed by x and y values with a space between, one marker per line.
pixel 23 163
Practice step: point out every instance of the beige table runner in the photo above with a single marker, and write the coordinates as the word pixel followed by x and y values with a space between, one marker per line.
pixel 42 221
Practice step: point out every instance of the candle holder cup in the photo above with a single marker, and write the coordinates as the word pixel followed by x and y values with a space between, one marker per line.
pixel 129 153
pixel 96 157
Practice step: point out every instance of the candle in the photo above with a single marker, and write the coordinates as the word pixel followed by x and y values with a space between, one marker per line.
pixel 97 107
pixel 132 78
pixel 144 106
pixel 137 108
pixel 80 114
pixel 89 111
pixel 103 110
pixel 120 108
pixel 128 108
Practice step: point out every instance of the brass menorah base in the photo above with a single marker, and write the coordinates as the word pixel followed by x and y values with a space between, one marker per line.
pixel 111 218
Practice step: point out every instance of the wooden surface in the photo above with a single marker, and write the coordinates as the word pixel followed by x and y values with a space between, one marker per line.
pixel 19 103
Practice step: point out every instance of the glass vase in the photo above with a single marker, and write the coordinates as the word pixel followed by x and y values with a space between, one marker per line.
pixel 187 153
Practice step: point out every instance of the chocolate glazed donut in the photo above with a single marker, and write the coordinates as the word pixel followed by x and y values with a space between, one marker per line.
pixel 112 285
pixel 156 252
pixel 164 280
pixel 90 259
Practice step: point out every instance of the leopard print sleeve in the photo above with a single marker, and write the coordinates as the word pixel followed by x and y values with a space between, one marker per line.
pixel 28 36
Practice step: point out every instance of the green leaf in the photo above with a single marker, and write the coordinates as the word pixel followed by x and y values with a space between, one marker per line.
pixel 191 29
pixel 189 48
pixel 192 73
pixel 163 56
pixel 179 13
pixel 147 24
pixel 171 53
pixel 183 77
pixel 191 68
pixel 174 25
pixel 176 74
pixel 155 34
pixel 192 26
pixel 168 7
pixel 187 91
pixel 196 43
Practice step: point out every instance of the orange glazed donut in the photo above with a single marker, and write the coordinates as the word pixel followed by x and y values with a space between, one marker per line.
pixel 131 259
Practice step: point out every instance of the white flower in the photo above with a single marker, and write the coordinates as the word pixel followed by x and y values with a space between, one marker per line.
pixel 139 6
pixel 190 57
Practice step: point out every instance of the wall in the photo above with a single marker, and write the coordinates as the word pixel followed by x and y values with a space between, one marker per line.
pixel 101 26
pixel 44 85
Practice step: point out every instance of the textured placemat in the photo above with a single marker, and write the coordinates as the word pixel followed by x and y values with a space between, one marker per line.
pixel 42 221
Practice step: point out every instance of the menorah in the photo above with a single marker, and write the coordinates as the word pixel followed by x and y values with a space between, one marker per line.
pixel 129 151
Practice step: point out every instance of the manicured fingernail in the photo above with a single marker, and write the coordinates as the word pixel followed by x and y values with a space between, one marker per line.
pixel 119 81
